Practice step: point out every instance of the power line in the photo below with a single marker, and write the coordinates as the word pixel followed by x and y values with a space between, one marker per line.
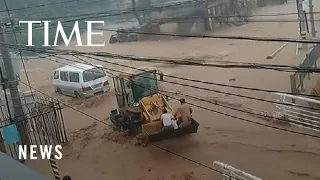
pixel 212 90
pixel 220 18
pixel 205 82
pixel 177 19
pixel 129 10
pixel 208 101
pixel 121 12
pixel 187 19
pixel 203 100
pixel 218 112
pixel 175 61
pixel 212 83
pixel 194 97
pixel 171 5
pixel 41 5
pixel 193 62
pixel 251 38
pixel 285 104
pixel 206 89
pixel 42 12
pixel 203 35
pixel 254 122
pixel 217 91
pixel 157 146
pixel 16 40
pixel 235 117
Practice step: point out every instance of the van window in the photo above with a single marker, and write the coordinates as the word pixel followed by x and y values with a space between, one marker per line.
pixel 92 74
pixel 56 75
pixel 74 77
pixel 64 76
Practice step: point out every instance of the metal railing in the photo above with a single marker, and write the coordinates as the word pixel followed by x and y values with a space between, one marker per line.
pixel 298 116
pixel 231 173
pixel 43 125
pixel 297 79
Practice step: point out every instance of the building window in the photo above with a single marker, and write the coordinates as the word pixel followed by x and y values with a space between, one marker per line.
pixel 74 77
pixel 64 76
pixel 56 75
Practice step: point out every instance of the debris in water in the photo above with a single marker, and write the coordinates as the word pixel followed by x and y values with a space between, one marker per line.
pixel 189 176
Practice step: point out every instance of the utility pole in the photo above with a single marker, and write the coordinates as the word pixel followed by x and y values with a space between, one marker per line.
pixel 302 21
pixel 2 144
pixel 313 29
pixel 12 83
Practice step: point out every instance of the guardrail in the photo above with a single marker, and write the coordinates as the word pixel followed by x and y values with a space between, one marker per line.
pixel 298 116
pixel 231 173
pixel 297 79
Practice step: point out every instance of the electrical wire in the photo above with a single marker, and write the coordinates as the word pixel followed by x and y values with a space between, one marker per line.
pixel 235 117
pixel 170 5
pixel 41 5
pixel 129 10
pixel 186 19
pixel 246 120
pixel 120 12
pixel 206 36
pixel 153 144
pixel 221 92
pixel 185 2
pixel 205 100
pixel 204 82
pixel 219 19
pixel 208 101
pixel 202 88
pixel 159 147
pixel 207 89
pixel 175 61
pixel 72 15
pixel 193 97
pixel 42 12
pixel 251 38
pixel 16 40
pixel 202 35
pixel 212 83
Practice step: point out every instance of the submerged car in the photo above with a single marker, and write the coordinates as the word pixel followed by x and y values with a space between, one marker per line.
pixel 80 80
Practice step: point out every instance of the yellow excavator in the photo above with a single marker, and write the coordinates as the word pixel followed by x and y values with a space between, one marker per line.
pixel 140 105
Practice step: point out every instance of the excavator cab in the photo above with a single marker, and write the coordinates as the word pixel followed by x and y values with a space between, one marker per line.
pixel 140 105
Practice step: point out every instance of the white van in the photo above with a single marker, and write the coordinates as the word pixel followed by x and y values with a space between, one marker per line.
pixel 80 80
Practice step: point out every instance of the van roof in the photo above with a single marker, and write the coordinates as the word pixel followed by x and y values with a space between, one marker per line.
pixel 76 67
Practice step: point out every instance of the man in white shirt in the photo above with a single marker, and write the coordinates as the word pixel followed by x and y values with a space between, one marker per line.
pixel 166 119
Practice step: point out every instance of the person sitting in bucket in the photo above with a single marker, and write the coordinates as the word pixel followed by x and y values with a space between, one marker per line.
pixel 185 114
pixel 167 121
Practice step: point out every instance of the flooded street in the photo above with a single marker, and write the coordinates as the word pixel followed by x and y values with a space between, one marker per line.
pixel 96 151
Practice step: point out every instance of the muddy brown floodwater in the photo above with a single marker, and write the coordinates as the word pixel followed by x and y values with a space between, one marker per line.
pixel 97 152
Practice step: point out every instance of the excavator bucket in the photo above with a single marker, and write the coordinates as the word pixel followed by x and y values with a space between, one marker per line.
pixel 162 135
pixel 151 107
